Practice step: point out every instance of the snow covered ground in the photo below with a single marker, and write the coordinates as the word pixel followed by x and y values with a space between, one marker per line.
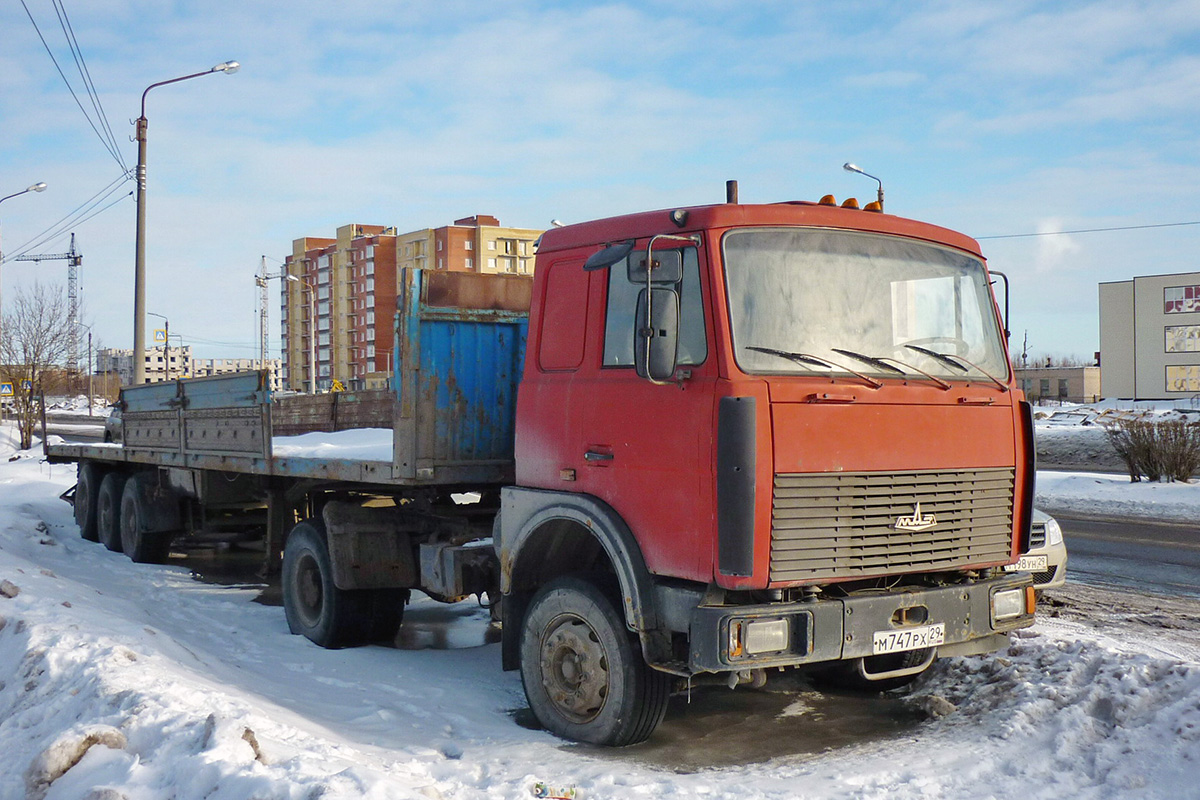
pixel 129 681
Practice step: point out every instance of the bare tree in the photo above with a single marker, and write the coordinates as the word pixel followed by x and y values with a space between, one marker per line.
pixel 35 337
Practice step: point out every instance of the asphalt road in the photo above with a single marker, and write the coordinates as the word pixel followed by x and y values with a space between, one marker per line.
pixel 1152 556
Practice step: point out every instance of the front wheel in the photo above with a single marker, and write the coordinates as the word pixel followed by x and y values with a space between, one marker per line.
pixel 583 672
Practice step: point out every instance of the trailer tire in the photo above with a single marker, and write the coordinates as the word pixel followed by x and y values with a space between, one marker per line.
pixel 141 545
pixel 583 671
pixel 314 606
pixel 108 511
pixel 87 488
pixel 387 613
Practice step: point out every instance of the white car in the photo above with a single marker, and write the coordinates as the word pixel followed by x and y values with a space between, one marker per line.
pixel 112 425
pixel 1047 554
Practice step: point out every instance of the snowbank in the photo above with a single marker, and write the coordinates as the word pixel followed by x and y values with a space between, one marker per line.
pixel 1098 494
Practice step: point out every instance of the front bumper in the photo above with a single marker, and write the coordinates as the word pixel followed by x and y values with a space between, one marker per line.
pixel 811 632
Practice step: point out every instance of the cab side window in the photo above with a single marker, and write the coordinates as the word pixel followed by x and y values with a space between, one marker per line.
pixel 622 302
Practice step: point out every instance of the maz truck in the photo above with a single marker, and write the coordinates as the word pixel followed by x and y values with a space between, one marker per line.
pixel 720 439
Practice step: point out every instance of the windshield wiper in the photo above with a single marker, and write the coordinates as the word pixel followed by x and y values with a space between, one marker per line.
pixel 949 361
pixel 885 362
pixel 805 358
pixel 941 383
pixel 958 363
pixel 872 360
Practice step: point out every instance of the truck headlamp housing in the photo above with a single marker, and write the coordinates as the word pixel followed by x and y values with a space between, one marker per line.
pixel 753 637
pixel 1008 604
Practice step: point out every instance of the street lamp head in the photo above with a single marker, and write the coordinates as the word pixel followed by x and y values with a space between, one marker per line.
pixel 293 279
pixel 228 67
pixel 38 187
pixel 878 204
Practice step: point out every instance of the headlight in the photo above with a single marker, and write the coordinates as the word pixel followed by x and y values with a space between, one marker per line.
pixel 1008 604
pixel 752 637
pixel 1053 532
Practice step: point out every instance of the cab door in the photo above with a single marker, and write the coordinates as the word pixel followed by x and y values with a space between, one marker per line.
pixel 647 449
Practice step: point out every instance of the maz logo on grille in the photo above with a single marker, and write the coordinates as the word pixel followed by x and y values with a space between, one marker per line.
pixel 916 522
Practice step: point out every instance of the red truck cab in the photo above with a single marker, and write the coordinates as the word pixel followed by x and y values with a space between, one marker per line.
pixel 746 423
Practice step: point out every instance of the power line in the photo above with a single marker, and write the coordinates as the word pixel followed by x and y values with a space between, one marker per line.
pixel 86 75
pixel 86 211
pixel 1090 230
pixel 110 146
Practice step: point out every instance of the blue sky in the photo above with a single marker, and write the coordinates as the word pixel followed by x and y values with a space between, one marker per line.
pixel 991 118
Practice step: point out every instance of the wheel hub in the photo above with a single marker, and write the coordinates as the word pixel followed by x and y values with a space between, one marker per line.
pixel 574 669
pixel 309 589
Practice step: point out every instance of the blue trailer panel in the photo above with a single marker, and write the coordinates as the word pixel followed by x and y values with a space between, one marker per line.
pixel 459 355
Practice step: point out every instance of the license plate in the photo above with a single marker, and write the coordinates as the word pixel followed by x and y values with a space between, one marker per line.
pixel 908 639
pixel 1029 564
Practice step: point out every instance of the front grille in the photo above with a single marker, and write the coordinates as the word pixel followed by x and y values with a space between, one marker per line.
pixel 840 525
pixel 1037 535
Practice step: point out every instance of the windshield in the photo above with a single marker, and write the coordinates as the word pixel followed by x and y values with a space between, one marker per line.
pixel 818 301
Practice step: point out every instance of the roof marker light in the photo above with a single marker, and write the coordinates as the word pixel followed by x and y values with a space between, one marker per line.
pixel 850 202
pixel 827 200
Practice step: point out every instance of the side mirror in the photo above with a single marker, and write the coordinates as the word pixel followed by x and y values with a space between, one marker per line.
pixel 603 259
pixel 656 334
pixel 667 267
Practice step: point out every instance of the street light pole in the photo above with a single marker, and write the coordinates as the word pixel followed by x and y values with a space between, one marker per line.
pixel 312 332
pixel 89 367
pixel 139 268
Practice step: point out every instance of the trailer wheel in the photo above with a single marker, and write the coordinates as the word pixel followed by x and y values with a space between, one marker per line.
pixel 583 672
pixel 387 612
pixel 87 488
pixel 142 546
pixel 315 607
pixel 108 511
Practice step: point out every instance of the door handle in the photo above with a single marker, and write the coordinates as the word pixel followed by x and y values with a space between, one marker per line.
pixel 592 455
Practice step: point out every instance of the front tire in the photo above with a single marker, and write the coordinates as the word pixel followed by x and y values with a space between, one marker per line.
pixel 583 672
pixel 108 511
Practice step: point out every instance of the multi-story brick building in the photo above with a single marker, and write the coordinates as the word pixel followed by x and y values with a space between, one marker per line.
pixel 354 279
pixel 351 277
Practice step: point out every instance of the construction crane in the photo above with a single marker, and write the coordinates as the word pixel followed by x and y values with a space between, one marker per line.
pixel 260 280
pixel 74 260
